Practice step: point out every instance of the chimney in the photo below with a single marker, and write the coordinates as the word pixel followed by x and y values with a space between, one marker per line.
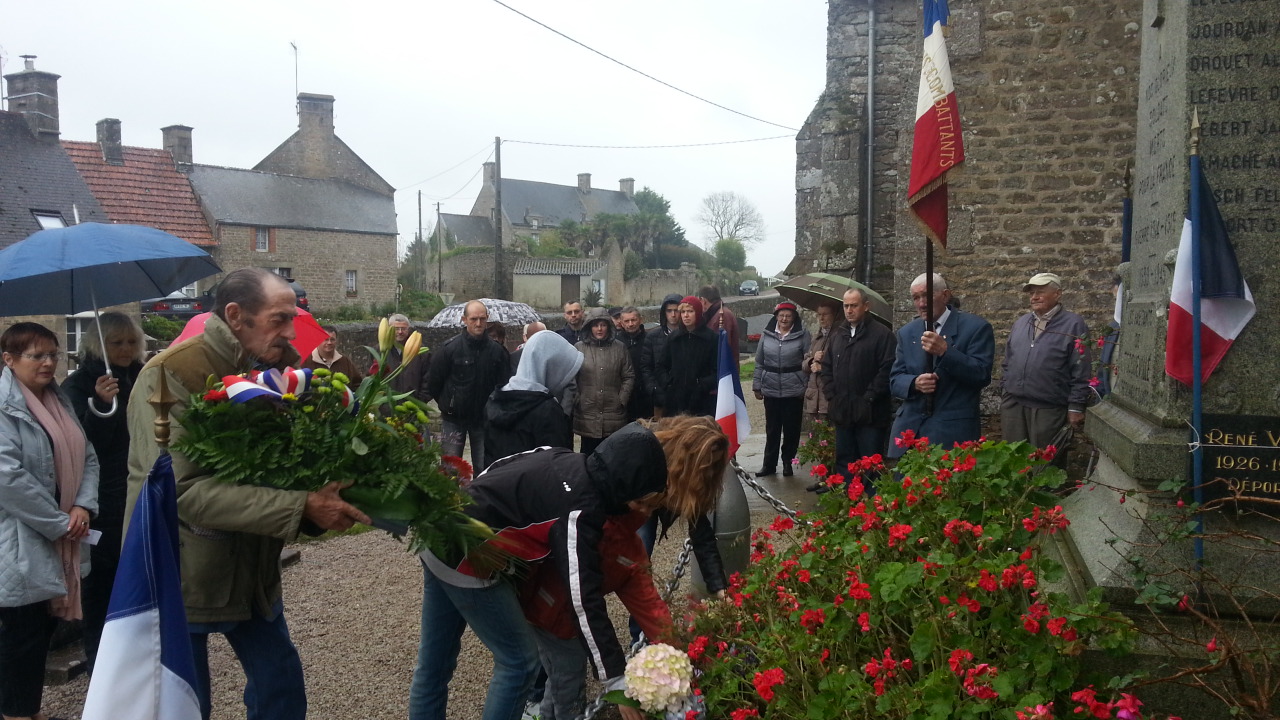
pixel 109 140
pixel 584 183
pixel 177 140
pixel 315 113
pixel 490 172
pixel 628 187
pixel 34 93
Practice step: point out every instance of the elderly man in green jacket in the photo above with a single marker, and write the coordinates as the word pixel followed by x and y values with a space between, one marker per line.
pixel 231 535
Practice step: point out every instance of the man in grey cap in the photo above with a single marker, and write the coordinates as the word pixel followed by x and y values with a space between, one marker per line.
pixel 1046 367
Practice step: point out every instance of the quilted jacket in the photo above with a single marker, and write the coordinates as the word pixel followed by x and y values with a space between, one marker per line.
pixel 30 520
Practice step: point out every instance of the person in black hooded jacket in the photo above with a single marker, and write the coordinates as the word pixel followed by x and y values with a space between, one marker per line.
pixel 526 413
pixel 655 346
pixel 550 505
pixel 688 368
pixel 89 384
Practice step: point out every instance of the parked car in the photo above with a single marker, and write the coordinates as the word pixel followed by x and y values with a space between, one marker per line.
pixel 300 293
pixel 177 306
pixel 749 287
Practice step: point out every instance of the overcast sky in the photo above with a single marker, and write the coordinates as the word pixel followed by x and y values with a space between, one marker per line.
pixel 422 89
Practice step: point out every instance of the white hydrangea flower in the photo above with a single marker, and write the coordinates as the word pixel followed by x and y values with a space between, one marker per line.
pixel 658 678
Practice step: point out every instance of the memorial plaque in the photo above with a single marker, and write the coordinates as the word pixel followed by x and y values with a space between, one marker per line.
pixel 1241 456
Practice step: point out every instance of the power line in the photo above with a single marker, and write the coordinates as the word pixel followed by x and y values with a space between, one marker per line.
pixel 648 147
pixel 641 72
pixel 464 187
pixel 486 146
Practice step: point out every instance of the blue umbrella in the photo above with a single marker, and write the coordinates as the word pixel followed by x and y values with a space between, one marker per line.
pixel 63 271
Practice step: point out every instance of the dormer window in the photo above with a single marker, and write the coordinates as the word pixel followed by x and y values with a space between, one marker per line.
pixel 49 220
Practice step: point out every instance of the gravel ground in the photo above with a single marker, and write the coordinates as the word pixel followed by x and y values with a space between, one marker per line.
pixel 353 605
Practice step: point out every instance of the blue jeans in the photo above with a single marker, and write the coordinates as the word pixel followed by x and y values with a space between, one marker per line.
pixel 274 688
pixel 495 617
pixel 453 435
pixel 856 442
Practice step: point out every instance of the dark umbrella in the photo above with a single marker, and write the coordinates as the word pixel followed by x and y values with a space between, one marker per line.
pixel 63 271
pixel 818 288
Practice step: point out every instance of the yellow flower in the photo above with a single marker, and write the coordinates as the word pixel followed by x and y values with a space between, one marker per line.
pixel 290 397
pixel 411 347
pixel 386 335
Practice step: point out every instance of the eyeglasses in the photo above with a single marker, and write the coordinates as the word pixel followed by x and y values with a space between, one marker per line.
pixel 42 357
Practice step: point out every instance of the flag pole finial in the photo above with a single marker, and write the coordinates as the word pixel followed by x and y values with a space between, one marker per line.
pixel 1195 131
pixel 161 400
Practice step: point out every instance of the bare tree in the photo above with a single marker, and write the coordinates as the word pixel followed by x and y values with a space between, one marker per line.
pixel 728 215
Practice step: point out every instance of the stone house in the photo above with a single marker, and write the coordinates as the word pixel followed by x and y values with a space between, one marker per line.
pixel 529 206
pixel 39 185
pixel 312 210
pixel 1048 100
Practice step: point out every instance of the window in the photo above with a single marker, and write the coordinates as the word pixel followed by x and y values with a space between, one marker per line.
pixel 49 220
pixel 351 283
pixel 77 325
pixel 283 272
pixel 262 240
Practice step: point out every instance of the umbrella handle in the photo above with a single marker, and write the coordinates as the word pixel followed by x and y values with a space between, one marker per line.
pixel 101 414
pixel 102 343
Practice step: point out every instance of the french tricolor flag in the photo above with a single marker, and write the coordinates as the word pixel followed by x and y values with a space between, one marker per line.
pixel 145 669
pixel 937 145
pixel 1226 303
pixel 731 408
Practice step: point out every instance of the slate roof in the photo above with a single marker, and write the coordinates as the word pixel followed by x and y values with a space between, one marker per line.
pixel 146 190
pixel 557 203
pixel 250 197
pixel 468 230
pixel 37 175
pixel 557 266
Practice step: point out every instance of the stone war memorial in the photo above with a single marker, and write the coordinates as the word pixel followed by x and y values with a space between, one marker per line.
pixel 1218 61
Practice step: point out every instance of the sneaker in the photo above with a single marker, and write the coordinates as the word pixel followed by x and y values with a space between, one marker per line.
pixel 532 711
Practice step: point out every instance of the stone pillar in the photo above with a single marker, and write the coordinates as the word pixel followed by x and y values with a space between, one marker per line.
pixel 1218 59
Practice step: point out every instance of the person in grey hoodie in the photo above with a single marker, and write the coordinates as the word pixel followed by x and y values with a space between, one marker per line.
pixel 779 380
pixel 605 381
pixel 526 412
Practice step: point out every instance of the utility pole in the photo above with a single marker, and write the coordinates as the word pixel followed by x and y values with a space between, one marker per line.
pixel 418 269
pixel 439 253
pixel 497 220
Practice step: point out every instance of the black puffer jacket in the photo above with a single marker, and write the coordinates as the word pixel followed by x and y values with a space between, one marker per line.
pixel 464 371
pixel 109 436
pixel 552 504
pixel 520 420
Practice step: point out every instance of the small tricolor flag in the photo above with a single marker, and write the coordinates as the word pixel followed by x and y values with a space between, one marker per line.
pixel 937 145
pixel 731 408
pixel 145 669
pixel 1226 303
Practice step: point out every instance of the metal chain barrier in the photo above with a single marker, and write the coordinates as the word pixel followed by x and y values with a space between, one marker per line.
pixel 751 482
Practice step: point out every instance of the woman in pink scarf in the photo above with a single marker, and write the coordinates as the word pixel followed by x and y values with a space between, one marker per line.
pixel 48 491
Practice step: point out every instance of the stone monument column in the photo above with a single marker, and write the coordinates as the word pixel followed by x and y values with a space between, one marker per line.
pixel 1221 59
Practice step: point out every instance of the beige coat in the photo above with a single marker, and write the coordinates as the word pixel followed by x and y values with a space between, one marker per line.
pixel 815 400
pixel 230 535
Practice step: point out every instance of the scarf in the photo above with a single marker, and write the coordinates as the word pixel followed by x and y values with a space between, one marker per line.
pixel 68 466
pixel 315 355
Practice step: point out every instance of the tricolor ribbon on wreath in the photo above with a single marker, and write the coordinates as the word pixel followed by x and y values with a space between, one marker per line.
pixel 277 384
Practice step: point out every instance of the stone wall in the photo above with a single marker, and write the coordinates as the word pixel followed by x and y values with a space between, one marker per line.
pixel 651 286
pixel 318 260
pixel 469 275
pixel 1048 96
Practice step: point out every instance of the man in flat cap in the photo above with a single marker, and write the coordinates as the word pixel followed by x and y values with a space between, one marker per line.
pixel 1046 367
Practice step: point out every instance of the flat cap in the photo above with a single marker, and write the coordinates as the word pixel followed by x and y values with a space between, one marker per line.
pixel 1042 279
